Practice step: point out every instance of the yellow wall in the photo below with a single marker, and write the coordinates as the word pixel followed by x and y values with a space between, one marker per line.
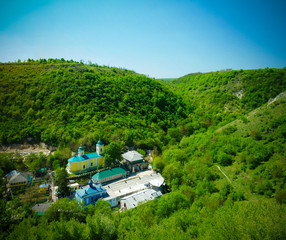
pixel 100 161
pixel 100 149
pixel 74 166
pixel 44 189
pixel 18 184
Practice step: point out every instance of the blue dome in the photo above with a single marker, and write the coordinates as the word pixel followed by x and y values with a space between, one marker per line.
pixel 81 148
pixel 99 142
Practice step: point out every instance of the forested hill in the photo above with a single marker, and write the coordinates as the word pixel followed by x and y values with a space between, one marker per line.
pixel 58 102
pixel 219 141
pixel 224 95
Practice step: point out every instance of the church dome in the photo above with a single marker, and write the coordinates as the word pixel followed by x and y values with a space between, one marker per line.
pixel 99 142
pixel 81 148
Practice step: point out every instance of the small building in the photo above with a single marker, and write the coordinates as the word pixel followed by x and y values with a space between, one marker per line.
pixel 41 208
pixel 90 194
pixel 109 175
pixel 134 161
pixel 18 179
pixel 40 172
pixel 85 162
pixel 133 200
pixel 73 187
pixel 44 187
pixel 157 183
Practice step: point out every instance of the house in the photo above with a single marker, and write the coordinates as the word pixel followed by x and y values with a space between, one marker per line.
pixel 41 208
pixel 44 187
pixel 18 179
pixel 85 162
pixel 134 161
pixel 90 194
pixel 133 200
pixel 109 175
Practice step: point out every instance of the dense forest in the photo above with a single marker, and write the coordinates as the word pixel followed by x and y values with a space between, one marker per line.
pixel 218 139
pixel 58 102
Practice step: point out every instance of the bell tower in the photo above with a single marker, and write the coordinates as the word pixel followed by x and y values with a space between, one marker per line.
pixel 100 148
pixel 80 151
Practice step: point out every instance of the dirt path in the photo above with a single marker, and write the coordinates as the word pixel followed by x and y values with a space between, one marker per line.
pixel 25 149
pixel 223 173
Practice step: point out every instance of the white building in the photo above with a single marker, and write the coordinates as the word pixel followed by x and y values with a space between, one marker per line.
pixel 133 200
pixel 120 189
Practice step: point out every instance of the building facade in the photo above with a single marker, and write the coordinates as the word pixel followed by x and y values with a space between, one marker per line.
pixel 85 162
pixel 90 194
pixel 18 179
pixel 109 175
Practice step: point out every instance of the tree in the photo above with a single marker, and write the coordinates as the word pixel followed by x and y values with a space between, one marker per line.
pixel 112 154
pixel 61 177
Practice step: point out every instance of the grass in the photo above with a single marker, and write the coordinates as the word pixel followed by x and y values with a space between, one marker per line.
pixel 255 121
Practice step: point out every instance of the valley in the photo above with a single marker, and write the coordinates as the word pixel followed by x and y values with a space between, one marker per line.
pixel 217 139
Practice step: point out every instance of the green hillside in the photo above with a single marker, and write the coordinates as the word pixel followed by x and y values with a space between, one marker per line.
pixel 58 102
pixel 218 97
pixel 219 141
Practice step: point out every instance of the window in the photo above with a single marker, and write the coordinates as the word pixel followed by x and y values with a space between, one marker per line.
pixel 91 164
pixel 83 166
pixel 101 150
pixel 91 199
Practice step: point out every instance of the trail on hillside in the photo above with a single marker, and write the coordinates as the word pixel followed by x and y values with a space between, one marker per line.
pixel 223 173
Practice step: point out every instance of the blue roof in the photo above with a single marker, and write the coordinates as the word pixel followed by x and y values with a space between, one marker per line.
pixel 99 143
pixel 76 158
pixel 108 173
pixel 44 185
pixel 92 155
pixel 91 189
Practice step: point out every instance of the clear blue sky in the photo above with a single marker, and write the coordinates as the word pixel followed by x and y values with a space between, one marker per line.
pixel 159 38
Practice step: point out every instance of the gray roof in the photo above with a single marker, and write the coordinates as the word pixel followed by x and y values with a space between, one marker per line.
pixel 19 177
pixel 11 174
pixel 132 156
pixel 41 207
pixel 129 186
pixel 140 197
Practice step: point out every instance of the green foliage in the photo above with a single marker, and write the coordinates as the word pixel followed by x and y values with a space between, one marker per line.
pixel 61 178
pixel 67 103
pixel 221 96
pixel 59 102
pixel 112 154
pixel 247 220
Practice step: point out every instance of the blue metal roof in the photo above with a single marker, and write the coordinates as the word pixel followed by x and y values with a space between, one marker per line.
pixel 108 173
pixel 91 189
pixel 92 155
pixel 76 158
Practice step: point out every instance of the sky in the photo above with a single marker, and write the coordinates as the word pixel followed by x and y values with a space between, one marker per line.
pixel 158 38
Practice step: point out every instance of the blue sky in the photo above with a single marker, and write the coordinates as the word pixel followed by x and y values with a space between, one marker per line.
pixel 159 38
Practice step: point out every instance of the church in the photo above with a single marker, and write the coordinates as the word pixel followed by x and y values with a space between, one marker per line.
pixel 82 162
